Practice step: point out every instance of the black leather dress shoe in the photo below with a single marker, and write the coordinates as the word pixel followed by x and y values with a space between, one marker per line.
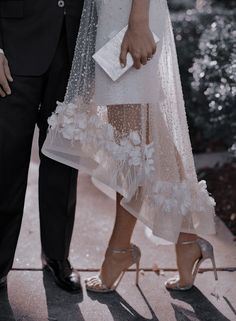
pixel 64 275
pixel 3 282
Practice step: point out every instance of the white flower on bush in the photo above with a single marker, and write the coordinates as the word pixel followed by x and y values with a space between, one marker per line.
pixel 135 138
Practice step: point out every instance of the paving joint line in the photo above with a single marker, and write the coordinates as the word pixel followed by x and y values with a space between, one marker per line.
pixel 201 270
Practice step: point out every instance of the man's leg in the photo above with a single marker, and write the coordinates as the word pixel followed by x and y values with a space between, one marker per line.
pixel 57 182
pixel 18 115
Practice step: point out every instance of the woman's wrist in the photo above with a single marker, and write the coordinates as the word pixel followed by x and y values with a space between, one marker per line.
pixel 138 22
pixel 139 15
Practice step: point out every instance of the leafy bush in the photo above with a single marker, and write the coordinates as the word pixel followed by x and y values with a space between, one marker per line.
pixel 178 5
pixel 214 84
pixel 229 4
pixel 206 70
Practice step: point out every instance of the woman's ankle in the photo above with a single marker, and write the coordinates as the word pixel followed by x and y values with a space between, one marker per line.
pixel 186 237
pixel 122 246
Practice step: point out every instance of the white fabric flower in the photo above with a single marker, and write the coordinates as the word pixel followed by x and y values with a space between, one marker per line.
pixel 70 110
pixel 109 132
pixel 135 156
pixel 82 120
pixel 135 138
pixel 68 132
pixel 60 108
pixel 53 121
pixel 126 146
pixel 149 161
pixel 66 120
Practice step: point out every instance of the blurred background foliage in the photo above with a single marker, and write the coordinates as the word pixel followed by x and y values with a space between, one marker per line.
pixel 205 34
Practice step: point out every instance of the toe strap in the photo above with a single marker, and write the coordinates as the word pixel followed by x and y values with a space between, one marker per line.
pixel 95 282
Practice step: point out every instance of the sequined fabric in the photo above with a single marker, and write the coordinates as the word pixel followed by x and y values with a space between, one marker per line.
pixel 132 134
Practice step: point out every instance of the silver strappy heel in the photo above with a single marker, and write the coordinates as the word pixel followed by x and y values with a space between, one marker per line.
pixel 207 252
pixel 96 284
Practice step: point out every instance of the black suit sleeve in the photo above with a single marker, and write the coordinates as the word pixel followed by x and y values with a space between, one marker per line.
pixel 1 43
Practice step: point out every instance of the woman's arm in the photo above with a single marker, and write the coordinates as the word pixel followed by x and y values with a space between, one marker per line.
pixel 138 40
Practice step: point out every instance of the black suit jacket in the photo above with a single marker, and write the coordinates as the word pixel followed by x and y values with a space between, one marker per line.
pixel 30 30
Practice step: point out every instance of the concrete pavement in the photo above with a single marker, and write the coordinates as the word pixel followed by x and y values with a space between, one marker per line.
pixel 32 295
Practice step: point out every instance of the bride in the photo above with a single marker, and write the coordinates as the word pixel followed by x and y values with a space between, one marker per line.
pixel 132 135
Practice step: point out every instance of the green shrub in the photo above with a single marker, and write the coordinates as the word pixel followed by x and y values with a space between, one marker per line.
pixel 214 83
pixel 228 4
pixel 206 52
pixel 178 5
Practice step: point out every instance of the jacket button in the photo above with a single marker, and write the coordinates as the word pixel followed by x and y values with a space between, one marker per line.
pixel 61 3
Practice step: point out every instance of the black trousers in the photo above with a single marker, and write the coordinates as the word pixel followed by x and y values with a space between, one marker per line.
pixel 32 101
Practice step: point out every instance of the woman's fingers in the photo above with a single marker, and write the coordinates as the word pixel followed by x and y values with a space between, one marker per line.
pixel 146 57
pixel 137 60
pixel 154 50
pixel 123 55
pixel 144 60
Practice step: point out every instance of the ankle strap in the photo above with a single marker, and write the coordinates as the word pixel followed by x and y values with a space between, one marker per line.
pixel 122 251
pixel 187 242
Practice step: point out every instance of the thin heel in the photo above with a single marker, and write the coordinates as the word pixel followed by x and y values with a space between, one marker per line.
pixel 196 269
pixel 137 272
pixel 119 280
pixel 214 267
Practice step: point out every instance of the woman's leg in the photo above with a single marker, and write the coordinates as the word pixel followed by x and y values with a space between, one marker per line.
pixel 123 228
pixel 186 256
pixel 123 119
pixel 120 239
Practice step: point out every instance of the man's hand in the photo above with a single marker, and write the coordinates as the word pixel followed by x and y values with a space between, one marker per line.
pixel 5 76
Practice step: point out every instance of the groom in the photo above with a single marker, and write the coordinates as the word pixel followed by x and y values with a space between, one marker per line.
pixel 37 40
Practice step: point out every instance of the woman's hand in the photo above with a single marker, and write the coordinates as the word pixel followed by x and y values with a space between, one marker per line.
pixel 139 42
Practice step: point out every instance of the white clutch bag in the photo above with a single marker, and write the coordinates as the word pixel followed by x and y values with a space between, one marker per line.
pixel 108 56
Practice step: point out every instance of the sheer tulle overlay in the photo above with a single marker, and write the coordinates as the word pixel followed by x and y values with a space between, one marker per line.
pixel 132 134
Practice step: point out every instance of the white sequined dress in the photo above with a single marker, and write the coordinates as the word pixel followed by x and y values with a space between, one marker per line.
pixel 132 134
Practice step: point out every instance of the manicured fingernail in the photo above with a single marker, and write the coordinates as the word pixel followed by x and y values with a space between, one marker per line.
pixel 9 92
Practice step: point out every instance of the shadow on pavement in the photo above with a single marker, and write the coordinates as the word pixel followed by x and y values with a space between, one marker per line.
pixel 203 309
pixel 6 313
pixel 61 305
pixel 119 308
